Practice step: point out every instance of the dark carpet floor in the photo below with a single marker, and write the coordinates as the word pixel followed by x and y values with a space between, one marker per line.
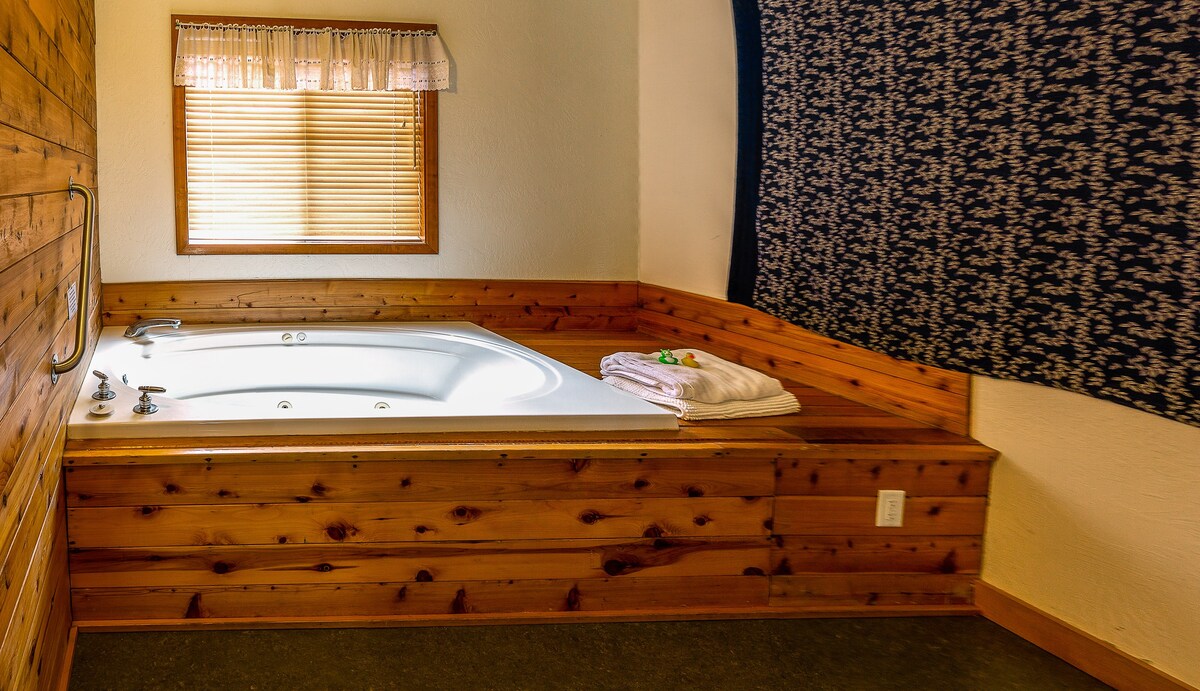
pixel 918 653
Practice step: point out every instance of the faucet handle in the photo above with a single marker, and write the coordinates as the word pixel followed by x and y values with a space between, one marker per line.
pixel 103 392
pixel 145 406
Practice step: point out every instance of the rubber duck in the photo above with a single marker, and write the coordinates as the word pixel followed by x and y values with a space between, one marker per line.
pixel 689 360
pixel 666 357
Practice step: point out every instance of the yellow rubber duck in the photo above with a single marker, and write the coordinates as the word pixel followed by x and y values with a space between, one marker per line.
pixel 689 360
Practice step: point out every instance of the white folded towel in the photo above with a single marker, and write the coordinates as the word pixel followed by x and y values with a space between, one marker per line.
pixel 779 404
pixel 715 381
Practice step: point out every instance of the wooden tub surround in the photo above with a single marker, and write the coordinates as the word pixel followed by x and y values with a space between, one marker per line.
pixel 763 517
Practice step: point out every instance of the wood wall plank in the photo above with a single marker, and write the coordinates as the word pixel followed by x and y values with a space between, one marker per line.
pixel 870 590
pixel 418 480
pixel 918 392
pixel 865 477
pixel 503 304
pixel 47 136
pixel 445 561
pixel 304 523
pixel 433 597
pixel 796 554
pixel 856 516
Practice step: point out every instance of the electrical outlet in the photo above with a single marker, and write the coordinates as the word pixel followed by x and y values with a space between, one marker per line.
pixel 889 509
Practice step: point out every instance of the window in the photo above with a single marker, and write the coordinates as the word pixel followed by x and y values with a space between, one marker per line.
pixel 302 170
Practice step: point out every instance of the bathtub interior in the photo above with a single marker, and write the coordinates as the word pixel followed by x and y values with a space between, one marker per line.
pixel 345 379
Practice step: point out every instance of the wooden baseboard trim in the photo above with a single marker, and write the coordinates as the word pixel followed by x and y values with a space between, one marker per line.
pixel 502 618
pixel 64 671
pixel 1083 650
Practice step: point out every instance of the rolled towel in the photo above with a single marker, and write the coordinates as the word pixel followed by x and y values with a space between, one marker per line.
pixel 779 404
pixel 714 381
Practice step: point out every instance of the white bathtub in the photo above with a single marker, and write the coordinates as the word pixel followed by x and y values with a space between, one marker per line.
pixel 345 379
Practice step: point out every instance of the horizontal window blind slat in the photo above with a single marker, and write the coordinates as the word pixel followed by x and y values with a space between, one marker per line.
pixel 272 166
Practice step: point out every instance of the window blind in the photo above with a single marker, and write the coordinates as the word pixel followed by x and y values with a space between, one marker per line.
pixel 269 167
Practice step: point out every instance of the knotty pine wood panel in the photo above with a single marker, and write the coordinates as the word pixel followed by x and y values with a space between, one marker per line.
pixel 856 516
pixel 32 108
pixel 47 136
pixel 923 393
pixel 747 321
pixel 418 480
pixel 865 477
pixel 870 589
pixel 446 561
pixel 500 304
pixel 431 597
pixel 794 554
pixel 22 35
pixel 269 524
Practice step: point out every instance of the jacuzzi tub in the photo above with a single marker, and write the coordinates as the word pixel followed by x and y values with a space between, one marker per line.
pixel 344 379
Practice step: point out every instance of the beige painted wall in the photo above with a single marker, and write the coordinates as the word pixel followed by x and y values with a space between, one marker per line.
pixel 538 141
pixel 687 121
pixel 1095 517
pixel 1095 510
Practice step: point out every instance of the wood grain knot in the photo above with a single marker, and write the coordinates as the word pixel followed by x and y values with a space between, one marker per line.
pixel 935 510
pixel 406 483
pixel 641 483
pixel 226 494
pixel 424 576
pixel 578 465
pixel 420 530
pixel 662 544
pixel 402 593
pixel 701 520
pixel 573 599
pixel 752 571
pixel 652 531
pixel 303 500
pixel 319 489
pixel 222 568
pixel 615 567
pixel 591 517
pixel 148 510
pixel 784 568
pixel 323 567
pixel 194 610
pixel 338 532
pixel 459 606
pixel 465 514
pixel 171 488
pixel 769 524
pixel 695 492
pixel 950 563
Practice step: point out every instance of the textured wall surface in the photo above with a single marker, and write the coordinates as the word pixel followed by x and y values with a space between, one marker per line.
pixel 687 115
pixel 1093 517
pixel 1001 188
pixel 537 141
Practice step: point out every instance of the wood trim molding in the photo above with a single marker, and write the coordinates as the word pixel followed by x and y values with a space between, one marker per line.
pixel 495 304
pixel 63 681
pixel 918 392
pixel 1083 650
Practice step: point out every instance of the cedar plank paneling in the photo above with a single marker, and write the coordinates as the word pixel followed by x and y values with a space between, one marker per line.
pixel 919 392
pixel 875 553
pixel 47 136
pixel 495 304
pixel 418 480
pixel 438 561
pixel 432 597
pixel 306 523
pixel 856 516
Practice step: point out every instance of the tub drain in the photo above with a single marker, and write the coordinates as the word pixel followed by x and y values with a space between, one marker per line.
pixel 284 404
pixel 381 405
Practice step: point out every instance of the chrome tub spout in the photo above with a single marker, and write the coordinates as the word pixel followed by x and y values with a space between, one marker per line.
pixel 139 329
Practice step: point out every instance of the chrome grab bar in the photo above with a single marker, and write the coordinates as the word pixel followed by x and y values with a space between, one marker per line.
pixel 85 280
pixel 139 329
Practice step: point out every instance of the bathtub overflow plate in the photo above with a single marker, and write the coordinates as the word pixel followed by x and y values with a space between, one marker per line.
pixel 382 405
pixel 284 404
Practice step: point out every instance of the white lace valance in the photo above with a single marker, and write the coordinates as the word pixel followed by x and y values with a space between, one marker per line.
pixel 223 56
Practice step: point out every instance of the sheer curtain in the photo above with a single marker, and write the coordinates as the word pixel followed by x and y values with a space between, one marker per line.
pixel 223 56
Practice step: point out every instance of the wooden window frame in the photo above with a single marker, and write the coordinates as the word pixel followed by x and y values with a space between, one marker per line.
pixel 427 109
